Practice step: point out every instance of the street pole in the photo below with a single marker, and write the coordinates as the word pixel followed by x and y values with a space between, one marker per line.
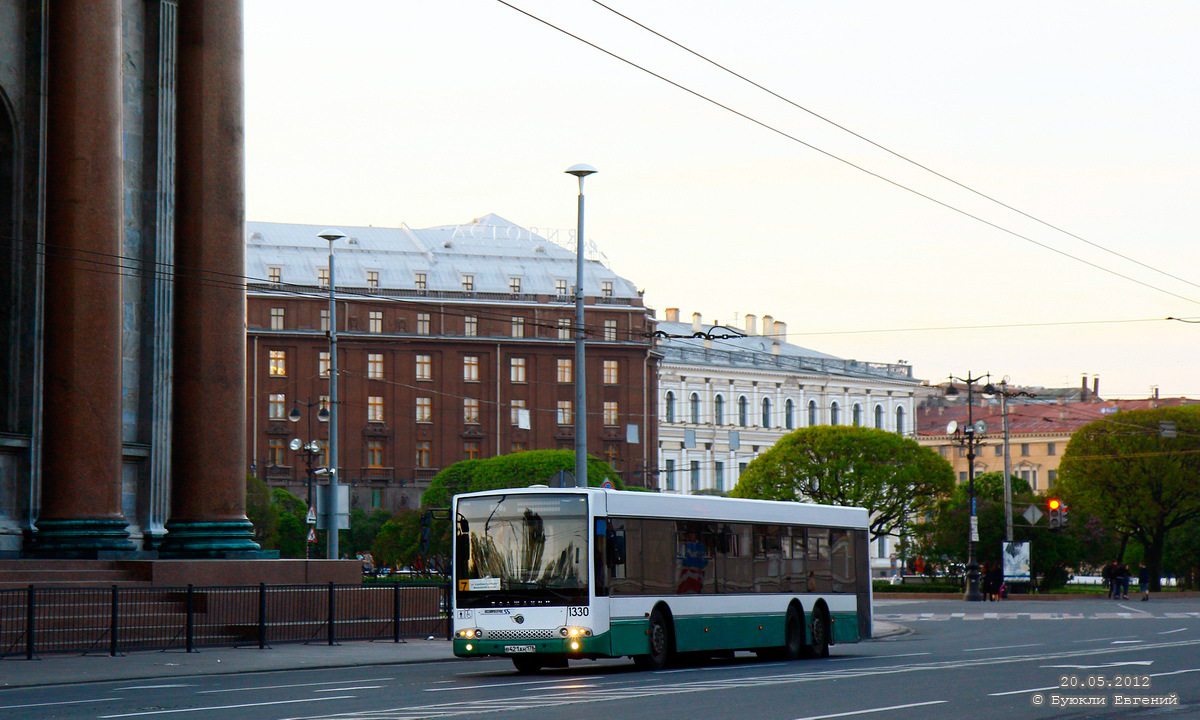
pixel 330 509
pixel 973 594
pixel 580 171
pixel 1008 524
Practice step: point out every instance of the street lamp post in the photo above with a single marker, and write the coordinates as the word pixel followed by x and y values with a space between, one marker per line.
pixel 970 438
pixel 311 449
pixel 331 507
pixel 1003 392
pixel 580 171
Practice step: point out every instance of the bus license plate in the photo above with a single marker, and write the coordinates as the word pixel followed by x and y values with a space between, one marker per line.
pixel 519 648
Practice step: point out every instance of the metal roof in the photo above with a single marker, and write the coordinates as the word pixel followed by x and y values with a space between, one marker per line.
pixel 489 249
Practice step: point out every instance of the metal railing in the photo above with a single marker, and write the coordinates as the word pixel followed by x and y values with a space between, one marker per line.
pixel 117 619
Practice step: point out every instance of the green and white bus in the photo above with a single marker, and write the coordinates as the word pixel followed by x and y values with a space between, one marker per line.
pixel 545 576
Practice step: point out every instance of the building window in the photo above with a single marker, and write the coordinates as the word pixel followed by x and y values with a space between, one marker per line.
pixel 276 318
pixel 1025 449
pixel 878 417
pixel 560 287
pixel 900 420
pixel 743 411
pixel 612 453
pixel 669 473
pixel 424 410
pixel 324 321
pixel 420 281
pixel 834 416
pixel 518 447
pixel 612 372
pixel 323 363
pixel 423 323
pixel 274 275
pixel 278 363
pixel 277 406
pixel 566 412
pixel 424 454
pixel 719 476
pixel 323 277
pixel 518 327
pixel 514 285
pixel 375 366
pixel 375 322
pixel 789 412
pixel 611 413
pixel 424 367
pixel 376 498
pixel 566 370
pixel 695 475
pixel 374 453
pixel 812 413
pixel 471 368
pixel 857 415
pixel 694 404
pixel 471 450
pixel 375 408
pixel 564 328
pixel 468 282
pixel 372 280
pixel 1051 478
pixel 471 325
pixel 606 288
pixel 998 450
pixel 610 330
pixel 742 468
pixel 766 412
pixel 962 476
pixel 471 411
pixel 516 372
pixel 670 403
pixel 276 452
pixel 1051 449
pixel 515 411
pixel 718 410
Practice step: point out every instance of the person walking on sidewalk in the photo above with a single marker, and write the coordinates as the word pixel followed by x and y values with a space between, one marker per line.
pixel 1108 575
pixel 1121 582
pixel 1144 581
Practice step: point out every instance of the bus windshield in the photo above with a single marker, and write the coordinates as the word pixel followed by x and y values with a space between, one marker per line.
pixel 521 549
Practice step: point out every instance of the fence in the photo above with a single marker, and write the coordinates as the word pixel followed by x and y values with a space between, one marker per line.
pixel 37 620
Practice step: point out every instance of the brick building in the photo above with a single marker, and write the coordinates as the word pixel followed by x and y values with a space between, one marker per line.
pixel 454 342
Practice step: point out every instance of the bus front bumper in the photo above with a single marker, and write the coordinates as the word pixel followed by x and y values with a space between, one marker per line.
pixel 583 647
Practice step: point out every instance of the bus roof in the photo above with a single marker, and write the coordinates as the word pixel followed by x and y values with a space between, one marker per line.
pixel 703 507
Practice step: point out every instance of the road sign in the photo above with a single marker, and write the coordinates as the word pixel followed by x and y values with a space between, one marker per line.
pixel 974 529
pixel 1032 515
pixel 607 484
pixel 312 516
pixel 312 535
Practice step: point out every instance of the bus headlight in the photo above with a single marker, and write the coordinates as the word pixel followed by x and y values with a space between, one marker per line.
pixel 469 633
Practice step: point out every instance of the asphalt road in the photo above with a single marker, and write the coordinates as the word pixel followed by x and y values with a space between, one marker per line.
pixel 981 660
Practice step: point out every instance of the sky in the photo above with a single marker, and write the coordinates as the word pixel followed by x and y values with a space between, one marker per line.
pixel 1080 116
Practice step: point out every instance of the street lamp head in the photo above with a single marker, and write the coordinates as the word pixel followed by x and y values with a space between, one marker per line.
pixel 581 170
pixel 295 444
pixel 331 234
pixel 323 415
pixel 294 415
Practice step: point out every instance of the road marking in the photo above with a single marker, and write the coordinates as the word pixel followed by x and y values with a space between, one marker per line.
pixel 1168 632
pixel 1136 610
pixel 872 710
pixel 154 687
pixel 876 657
pixel 511 684
pixel 1105 665
pixel 347 689
pixel 1003 647
pixel 63 702
pixel 1126 642
pixel 295 685
pixel 228 707
pixel 1021 692
pixel 1114 637
pixel 1175 672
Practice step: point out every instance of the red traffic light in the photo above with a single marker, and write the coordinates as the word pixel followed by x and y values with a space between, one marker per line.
pixel 1054 504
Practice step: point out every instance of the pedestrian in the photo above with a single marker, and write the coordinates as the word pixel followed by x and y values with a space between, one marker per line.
pixel 1144 581
pixel 995 578
pixel 1121 583
pixel 1107 575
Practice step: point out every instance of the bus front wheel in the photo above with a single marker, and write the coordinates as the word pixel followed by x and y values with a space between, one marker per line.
pixel 660 644
pixel 527 664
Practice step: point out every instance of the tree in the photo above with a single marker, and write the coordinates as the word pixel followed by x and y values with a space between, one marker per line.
pixel 261 513
pixel 293 526
pixel 1124 470
pixel 363 529
pixel 507 471
pixel 891 476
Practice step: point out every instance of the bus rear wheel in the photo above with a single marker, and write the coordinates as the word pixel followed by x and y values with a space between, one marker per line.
pixel 660 644
pixel 527 664
pixel 818 647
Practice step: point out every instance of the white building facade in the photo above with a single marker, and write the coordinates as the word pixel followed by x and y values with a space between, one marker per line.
pixel 726 400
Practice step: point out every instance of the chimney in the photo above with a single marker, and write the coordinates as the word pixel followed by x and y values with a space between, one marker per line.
pixel 751 324
pixel 672 314
pixel 768 325
pixel 780 331
pixel 1096 387
pixel 696 318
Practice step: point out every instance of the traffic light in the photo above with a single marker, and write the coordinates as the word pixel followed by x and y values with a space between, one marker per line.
pixel 1055 514
pixel 1062 515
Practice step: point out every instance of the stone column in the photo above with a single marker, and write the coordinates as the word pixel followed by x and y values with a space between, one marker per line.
pixel 81 487
pixel 208 438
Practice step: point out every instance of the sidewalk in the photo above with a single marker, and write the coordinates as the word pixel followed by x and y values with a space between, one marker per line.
pixel 52 669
